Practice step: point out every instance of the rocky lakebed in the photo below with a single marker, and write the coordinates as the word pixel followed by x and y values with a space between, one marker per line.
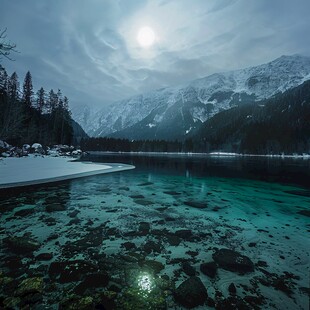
pixel 133 240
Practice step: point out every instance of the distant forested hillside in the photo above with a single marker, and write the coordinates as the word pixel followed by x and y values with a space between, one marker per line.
pixel 280 124
pixel 27 116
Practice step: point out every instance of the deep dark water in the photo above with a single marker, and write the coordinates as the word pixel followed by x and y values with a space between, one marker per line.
pixel 173 233
pixel 288 170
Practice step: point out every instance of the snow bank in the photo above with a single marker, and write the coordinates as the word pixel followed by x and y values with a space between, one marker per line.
pixel 32 170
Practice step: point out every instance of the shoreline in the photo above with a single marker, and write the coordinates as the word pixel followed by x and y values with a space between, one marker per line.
pixel 212 154
pixel 35 170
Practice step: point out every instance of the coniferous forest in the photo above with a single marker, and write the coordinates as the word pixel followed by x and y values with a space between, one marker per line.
pixel 266 127
pixel 28 116
pixel 125 145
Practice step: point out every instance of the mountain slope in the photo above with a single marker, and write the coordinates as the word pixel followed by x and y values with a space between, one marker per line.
pixel 173 113
pixel 280 124
pixel 78 132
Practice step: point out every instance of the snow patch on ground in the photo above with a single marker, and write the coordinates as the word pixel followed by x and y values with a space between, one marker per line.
pixel 32 170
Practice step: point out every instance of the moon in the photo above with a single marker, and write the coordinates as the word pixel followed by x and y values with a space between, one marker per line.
pixel 146 37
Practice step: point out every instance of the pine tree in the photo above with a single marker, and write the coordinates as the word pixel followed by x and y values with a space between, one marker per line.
pixel 28 90
pixel 66 105
pixel 3 94
pixel 52 101
pixel 13 115
pixel 40 104
pixel 59 99
pixel 3 80
pixel 66 129
pixel 13 87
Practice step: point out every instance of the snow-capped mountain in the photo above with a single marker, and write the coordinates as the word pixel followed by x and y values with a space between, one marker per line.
pixel 84 116
pixel 172 113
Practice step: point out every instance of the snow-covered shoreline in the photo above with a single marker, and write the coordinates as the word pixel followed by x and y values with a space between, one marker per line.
pixel 33 170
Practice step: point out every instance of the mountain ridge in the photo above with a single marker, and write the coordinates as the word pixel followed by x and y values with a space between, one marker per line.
pixel 185 108
pixel 277 125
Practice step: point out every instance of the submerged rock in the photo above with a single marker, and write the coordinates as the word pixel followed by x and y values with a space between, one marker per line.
pixel 143 202
pixel 12 262
pixel 153 265
pixel 28 293
pixel 196 204
pixel 188 269
pixel 145 184
pixel 73 213
pixel 191 293
pixel 107 300
pixel 232 289
pixel 151 246
pixel 233 261
pixel 304 212
pixel 172 193
pixel 76 302
pixel 185 234
pixel 173 240
pixel 232 303
pixel 11 302
pixel 97 280
pixel 136 298
pixel 305 193
pixel 44 256
pixel 30 286
pixel 124 188
pixel 209 269
pixel 137 196
pixel 128 245
pixel 105 190
pixel 144 226
pixel 54 207
pixel 21 245
pixel 71 271
pixel 24 212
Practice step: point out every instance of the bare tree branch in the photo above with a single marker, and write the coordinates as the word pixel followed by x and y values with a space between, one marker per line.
pixel 6 47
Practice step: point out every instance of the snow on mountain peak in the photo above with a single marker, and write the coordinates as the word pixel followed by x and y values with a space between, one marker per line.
pixel 199 99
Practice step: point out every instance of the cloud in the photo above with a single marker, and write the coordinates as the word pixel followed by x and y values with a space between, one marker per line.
pixel 89 50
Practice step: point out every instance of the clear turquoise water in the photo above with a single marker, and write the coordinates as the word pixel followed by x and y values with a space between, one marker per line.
pixel 251 207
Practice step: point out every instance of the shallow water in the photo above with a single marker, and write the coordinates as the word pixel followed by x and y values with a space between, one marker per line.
pixel 140 229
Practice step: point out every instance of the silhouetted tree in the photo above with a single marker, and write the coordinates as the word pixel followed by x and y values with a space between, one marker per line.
pixel 13 116
pixel 28 90
pixel 51 101
pixel 40 102
pixel 3 80
pixel 13 87
pixel 27 123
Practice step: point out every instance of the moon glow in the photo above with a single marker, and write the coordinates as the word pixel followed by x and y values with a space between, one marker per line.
pixel 146 37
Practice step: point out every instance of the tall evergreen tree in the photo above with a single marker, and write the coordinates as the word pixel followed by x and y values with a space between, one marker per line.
pixel 40 103
pixel 51 101
pixel 3 80
pixel 46 120
pixel 13 116
pixel 3 94
pixel 28 90
pixel 13 87
pixel 59 99
pixel 66 105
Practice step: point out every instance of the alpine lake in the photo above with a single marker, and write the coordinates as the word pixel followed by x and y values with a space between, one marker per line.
pixel 177 232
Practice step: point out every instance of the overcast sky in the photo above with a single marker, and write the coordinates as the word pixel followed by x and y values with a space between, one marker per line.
pixel 88 48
